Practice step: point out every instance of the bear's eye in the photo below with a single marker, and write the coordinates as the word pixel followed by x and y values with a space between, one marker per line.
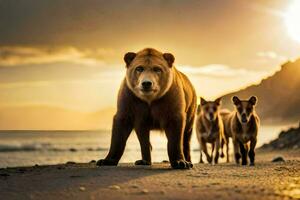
pixel 139 69
pixel 157 70
pixel 214 109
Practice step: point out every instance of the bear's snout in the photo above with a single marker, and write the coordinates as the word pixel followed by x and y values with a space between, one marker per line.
pixel 147 85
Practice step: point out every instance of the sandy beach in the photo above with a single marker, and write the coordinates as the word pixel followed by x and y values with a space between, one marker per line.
pixel 267 180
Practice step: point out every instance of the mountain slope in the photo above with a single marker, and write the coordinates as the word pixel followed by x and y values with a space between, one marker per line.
pixel 278 95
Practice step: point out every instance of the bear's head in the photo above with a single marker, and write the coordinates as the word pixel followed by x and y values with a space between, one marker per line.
pixel 244 108
pixel 149 73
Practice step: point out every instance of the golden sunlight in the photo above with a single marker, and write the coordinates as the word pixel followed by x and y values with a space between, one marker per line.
pixel 292 19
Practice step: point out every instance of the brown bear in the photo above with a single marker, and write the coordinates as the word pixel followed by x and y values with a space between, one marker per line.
pixel 153 96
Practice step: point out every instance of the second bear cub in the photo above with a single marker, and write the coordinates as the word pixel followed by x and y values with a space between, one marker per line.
pixel 243 124
pixel 209 128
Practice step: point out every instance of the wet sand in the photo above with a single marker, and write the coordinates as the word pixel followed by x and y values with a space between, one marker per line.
pixel 266 180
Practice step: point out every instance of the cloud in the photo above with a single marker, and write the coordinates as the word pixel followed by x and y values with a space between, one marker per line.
pixel 217 70
pixel 271 55
pixel 28 84
pixel 22 55
pixel 214 80
pixel 274 9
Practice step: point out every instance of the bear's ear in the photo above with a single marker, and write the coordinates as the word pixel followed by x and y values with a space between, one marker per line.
pixel 128 58
pixel 236 100
pixel 202 101
pixel 253 100
pixel 169 58
pixel 218 101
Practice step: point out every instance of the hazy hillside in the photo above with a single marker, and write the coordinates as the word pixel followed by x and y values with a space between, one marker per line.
pixel 278 95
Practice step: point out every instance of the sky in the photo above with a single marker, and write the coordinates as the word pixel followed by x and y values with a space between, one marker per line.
pixel 69 53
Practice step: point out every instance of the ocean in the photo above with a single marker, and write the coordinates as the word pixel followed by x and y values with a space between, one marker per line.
pixel 27 148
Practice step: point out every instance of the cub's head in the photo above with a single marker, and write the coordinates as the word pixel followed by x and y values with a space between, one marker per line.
pixel 149 73
pixel 210 109
pixel 244 108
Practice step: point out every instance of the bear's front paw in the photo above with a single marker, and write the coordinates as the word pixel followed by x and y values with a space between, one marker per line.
pixel 252 164
pixel 181 164
pixel 107 162
pixel 142 162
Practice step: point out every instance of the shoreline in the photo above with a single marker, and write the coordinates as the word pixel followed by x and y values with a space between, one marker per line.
pixel 266 180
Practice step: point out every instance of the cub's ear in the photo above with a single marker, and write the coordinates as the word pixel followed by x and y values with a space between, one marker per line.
pixel 253 100
pixel 169 58
pixel 128 58
pixel 218 101
pixel 202 101
pixel 236 100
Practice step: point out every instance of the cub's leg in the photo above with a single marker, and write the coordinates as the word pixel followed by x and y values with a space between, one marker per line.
pixel 222 148
pixel 251 151
pixel 122 127
pixel 237 154
pixel 143 135
pixel 217 150
pixel 244 152
pixel 227 149
pixel 212 149
pixel 201 160
pixel 204 149
pixel 174 131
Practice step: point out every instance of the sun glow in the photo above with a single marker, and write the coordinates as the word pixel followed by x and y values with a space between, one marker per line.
pixel 292 20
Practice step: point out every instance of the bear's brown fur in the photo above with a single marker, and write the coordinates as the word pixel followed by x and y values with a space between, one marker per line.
pixel 154 95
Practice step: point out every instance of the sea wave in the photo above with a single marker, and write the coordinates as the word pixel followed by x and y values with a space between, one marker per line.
pixel 43 147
